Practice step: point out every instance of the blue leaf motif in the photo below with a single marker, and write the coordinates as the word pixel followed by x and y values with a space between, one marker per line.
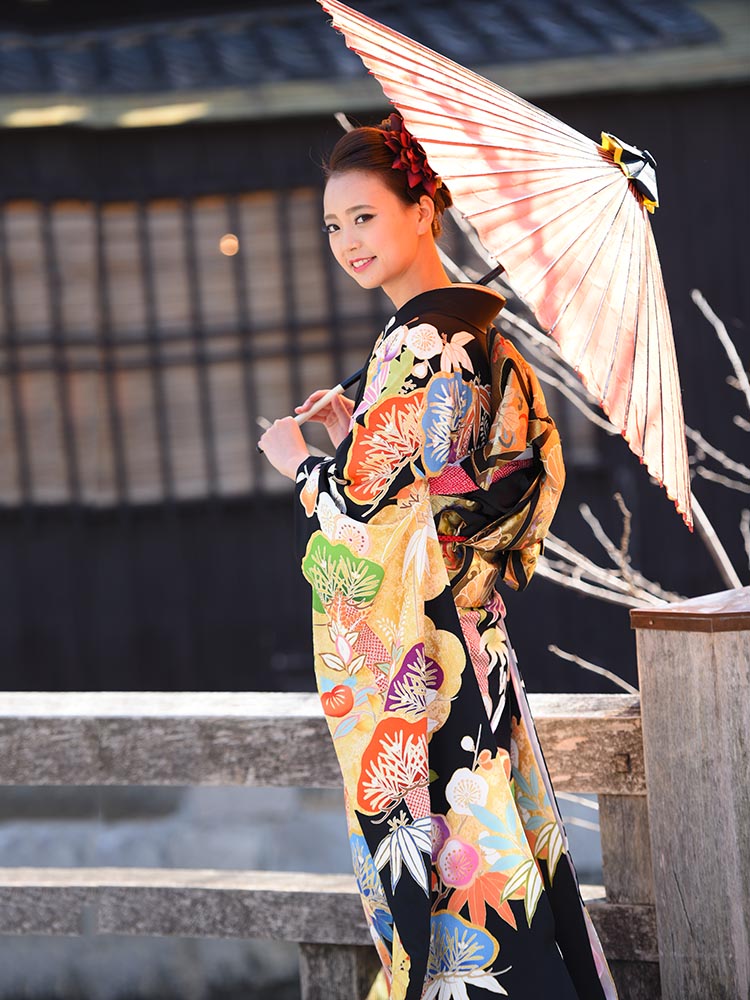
pixel 490 820
pixel 522 782
pixel 346 725
pixel 534 822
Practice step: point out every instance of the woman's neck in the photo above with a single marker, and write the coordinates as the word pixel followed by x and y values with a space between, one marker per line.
pixel 427 272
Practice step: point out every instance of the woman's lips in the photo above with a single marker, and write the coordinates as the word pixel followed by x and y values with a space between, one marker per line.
pixel 361 263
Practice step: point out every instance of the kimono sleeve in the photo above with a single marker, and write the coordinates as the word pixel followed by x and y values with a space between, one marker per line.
pixel 423 406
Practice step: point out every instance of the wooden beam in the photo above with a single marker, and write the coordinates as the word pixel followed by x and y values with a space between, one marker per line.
pixel 592 743
pixel 287 906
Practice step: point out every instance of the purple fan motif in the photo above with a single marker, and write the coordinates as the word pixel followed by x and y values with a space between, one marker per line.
pixel 417 674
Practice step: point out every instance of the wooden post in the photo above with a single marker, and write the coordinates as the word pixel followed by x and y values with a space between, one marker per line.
pixel 337 972
pixel 628 879
pixel 694 668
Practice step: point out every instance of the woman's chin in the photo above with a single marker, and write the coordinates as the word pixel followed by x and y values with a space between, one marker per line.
pixel 367 279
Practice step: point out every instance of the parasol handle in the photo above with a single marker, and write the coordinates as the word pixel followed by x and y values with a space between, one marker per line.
pixel 302 418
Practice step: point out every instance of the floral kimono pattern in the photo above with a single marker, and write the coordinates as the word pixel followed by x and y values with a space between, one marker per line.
pixel 446 484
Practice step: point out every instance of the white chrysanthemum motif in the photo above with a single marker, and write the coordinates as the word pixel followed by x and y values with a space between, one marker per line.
pixel 466 789
pixel 424 341
pixel 353 534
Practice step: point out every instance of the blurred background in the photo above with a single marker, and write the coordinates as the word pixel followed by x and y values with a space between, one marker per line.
pixel 164 281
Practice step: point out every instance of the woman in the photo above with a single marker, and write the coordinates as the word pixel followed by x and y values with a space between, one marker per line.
pixel 446 476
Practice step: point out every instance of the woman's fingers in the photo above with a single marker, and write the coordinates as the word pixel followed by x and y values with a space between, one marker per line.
pixel 311 399
pixel 284 446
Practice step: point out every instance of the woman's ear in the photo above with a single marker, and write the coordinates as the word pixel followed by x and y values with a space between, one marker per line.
pixel 426 214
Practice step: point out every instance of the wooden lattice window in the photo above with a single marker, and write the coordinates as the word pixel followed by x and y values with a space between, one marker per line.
pixel 135 356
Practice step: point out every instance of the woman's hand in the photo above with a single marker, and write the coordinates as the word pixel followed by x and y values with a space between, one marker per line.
pixel 336 415
pixel 284 446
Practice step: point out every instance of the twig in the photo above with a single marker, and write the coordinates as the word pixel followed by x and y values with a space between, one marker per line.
pixel 639 585
pixel 718 553
pixel 583 568
pixel 594 668
pixel 544 569
pixel 741 423
pixel 716 477
pixel 745 531
pixel 726 343
pixel 643 590
pixel 627 517
pixel 709 449
pixel 621 560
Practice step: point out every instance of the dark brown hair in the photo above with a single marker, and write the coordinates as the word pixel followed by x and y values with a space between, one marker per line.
pixel 365 149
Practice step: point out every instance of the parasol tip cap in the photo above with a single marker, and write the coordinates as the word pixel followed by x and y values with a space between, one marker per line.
pixel 638 165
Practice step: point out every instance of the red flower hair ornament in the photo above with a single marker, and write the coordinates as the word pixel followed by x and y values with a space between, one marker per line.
pixel 410 156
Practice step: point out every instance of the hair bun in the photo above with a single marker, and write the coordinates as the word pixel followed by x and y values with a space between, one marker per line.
pixel 410 156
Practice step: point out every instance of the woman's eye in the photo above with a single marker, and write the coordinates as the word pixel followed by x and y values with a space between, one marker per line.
pixel 362 218
pixel 329 227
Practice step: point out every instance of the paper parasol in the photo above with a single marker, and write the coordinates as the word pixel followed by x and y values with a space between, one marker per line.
pixel 566 217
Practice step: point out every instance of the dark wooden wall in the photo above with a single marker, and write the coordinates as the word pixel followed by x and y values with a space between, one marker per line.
pixel 206 595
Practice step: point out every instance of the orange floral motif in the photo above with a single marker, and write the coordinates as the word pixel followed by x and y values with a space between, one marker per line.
pixel 381 447
pixel 394 762
pixel 485 890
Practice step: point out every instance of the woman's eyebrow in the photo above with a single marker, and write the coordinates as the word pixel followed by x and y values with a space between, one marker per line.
pixel 354 208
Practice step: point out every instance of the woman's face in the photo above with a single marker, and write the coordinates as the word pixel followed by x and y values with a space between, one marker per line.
pixel 374 235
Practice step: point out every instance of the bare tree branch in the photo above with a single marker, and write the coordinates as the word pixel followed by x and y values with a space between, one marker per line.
pixel 713 544
pixel 745 531
pixel 708 449
pixel 726 343
pixel 741 423
pixel 578 566
pixel 544 569
pixel 594 668
pixel 622 561
pixel 627 517
pixel 716 477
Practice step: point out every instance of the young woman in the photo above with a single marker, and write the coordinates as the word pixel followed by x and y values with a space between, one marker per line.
pixel 445 478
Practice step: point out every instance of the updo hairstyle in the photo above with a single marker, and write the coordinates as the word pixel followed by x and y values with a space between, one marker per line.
pixel 366 148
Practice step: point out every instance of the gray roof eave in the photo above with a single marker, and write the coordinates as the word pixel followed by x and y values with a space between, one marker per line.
pixel 724 62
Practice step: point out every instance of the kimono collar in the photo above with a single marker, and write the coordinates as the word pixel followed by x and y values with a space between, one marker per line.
pixel 476 305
